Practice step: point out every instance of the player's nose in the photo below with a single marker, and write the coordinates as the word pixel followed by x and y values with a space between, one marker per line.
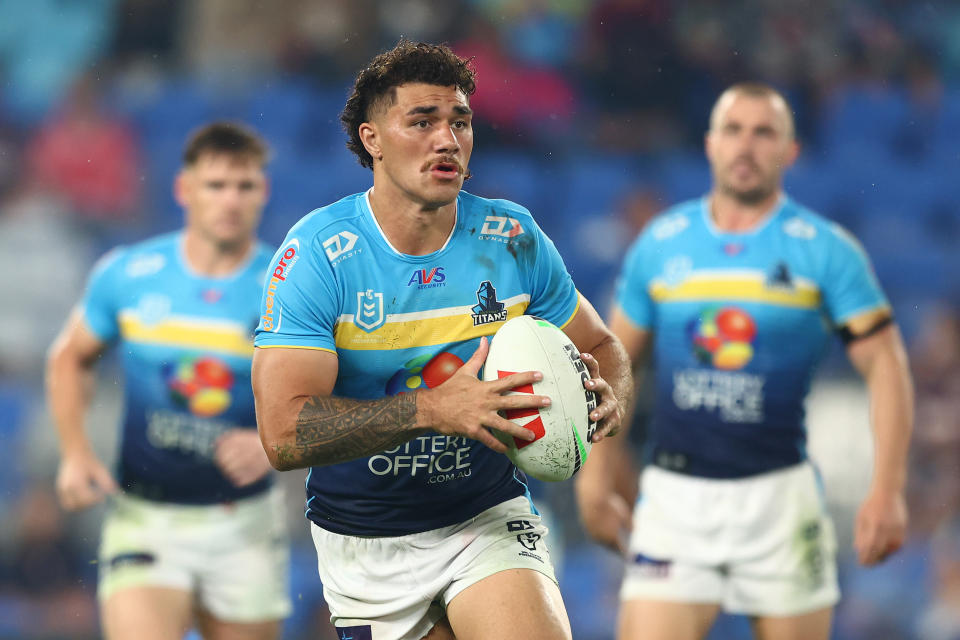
pixel 446 140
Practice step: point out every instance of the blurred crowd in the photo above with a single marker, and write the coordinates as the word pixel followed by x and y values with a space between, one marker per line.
pixel 590 113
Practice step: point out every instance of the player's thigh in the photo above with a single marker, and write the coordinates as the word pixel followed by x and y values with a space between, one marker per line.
pixel 212 628
pixel 814 625
pixel 515 603
pixel 663 620
pixel 147 613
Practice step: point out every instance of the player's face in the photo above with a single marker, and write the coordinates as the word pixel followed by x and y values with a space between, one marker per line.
pixel 749 146
pixel 223 196
pixel 425 138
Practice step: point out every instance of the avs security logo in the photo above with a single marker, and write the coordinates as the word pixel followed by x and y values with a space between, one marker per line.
pixel 369 315
pixel 281 270
pixel 723 337
pixel 488 309
pixel 425 279
pixel 340 247
pixel 500 228
pixel 201 385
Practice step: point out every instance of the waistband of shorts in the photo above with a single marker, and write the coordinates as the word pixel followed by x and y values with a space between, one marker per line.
pixel 696 471
pixel 132 501
pixel 682 464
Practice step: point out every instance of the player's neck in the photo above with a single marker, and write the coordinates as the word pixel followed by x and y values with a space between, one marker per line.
pixel 212 259
pixel 735 216
pixel 411 227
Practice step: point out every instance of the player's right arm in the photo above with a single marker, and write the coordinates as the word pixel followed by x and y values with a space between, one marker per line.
pixel 82 480
pixel 605 487
pixel 302 425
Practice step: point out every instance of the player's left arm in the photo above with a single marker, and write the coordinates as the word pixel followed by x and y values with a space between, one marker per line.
pixel 875 347
pixel 602 352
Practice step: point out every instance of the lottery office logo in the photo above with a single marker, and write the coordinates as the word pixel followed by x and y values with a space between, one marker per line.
pixel 281 270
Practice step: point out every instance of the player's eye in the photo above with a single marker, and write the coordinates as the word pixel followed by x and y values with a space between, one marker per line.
pixel 421 124
pixel 216 184
pixel 461 124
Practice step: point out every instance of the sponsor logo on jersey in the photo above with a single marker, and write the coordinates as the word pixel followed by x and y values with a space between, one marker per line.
pixel 427 370
pixel 723 337
pixel 200 385
pixel 281 271
pixel 425 279
pixel 495 227
pixel 670 226
pixel 677 269
pixel 340 247
pixel 799 228
pixel 733 248
pixel 146 265
pixel 488 309
pixel 369 315
pixel 779 277
pixel 439 458
pixel 153 308
pixel 211 296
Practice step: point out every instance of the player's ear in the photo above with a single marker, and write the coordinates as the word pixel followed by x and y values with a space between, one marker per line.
pixel 370 138
pixel 181 187
pixel 707 145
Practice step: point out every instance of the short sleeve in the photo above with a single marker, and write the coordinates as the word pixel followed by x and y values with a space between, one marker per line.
pixel 633 284
pixel 553 295
pixel 849 284
pixel 99 304
pixel 299 306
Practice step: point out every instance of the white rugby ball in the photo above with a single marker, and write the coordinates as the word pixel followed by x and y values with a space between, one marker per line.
pixel 563 429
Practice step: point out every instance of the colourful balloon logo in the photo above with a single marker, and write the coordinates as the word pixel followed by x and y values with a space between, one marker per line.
pixel 723 337
pixel 201 385
pixel 424 371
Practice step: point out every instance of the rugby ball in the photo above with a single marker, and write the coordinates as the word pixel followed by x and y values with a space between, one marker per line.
pixel 563 430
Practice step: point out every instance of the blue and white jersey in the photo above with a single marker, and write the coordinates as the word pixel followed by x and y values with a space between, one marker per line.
pixel 186 342
pixel 740 321
pixel 397 323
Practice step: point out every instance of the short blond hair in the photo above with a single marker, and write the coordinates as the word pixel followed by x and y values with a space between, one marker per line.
pixel 752 90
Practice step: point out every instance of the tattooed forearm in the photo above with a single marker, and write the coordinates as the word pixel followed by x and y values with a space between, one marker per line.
pixel 331 429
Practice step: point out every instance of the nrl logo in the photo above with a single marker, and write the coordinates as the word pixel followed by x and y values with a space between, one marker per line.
pixel 369 316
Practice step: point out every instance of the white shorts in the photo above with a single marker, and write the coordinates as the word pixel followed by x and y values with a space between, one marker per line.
pixel 397 588
pixel 234 556
pixel 762 545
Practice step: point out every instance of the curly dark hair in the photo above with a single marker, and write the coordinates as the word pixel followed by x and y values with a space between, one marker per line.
pixel 407 62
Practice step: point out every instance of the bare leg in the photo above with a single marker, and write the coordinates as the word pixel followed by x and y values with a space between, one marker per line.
pixel 515 603
pixel 661 620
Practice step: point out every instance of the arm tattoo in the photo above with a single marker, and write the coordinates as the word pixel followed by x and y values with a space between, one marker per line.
pixel 332 430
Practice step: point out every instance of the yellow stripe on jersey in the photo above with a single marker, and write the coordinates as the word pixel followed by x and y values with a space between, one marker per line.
pixel 741 288
pixel 422 332
pixel 188 333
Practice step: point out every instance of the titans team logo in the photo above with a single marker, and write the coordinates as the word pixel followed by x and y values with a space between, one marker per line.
pixel 424 371
pixel 723 337
pixel 488 309
pixel 201 385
